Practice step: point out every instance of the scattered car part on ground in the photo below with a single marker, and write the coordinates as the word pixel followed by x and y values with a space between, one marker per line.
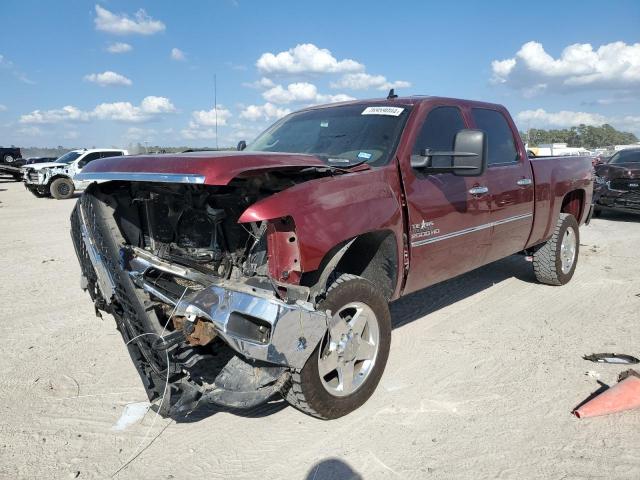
pixel 615 358
pixel 293 257
pixel 57 179
pixel 625 395
pixel 618 182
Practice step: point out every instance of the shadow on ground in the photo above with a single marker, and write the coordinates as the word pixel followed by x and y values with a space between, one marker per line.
pixel 332 469
pixel 617 216
pixel 430 300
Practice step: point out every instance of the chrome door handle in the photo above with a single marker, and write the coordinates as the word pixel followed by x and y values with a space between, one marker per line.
pixel 523 182
pixel 478 190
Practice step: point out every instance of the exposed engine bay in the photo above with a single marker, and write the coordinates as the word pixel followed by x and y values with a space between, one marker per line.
pixel 188 284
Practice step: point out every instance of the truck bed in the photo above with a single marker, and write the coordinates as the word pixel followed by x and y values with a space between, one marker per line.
pixel 553 178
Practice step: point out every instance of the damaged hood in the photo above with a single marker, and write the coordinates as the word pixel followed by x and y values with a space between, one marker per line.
pixel 207 168
pixel 40 166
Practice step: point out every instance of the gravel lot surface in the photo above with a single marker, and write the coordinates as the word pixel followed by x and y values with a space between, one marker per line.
pixel 483 373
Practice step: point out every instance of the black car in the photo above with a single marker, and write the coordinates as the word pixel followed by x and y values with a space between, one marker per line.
pixel 10 162
pixel 618 182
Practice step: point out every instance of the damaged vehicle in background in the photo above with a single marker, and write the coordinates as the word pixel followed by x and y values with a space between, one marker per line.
pixel 234 276
pixel 58 179
pixel 618 183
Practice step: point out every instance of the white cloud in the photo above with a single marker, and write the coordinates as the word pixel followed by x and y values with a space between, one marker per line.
pixel 540 118
pixel 502 68
pixel 305 58
pixel 301 92
pixel 68 113
pixel 365 81
pixel 263 83
pixel 150 108
pixel 119 47
pixel 268 111
pixel 532 69
pixel 178 55
pixel 3 108
pixel 122 24
pixel 203 122
pixel 209 117
pixel 156 105
pixel 108 78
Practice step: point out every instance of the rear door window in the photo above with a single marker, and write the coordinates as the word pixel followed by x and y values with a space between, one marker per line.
pixel 502 146
pixel 110 154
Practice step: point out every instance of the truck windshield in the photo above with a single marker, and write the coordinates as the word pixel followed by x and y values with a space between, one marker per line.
pixel 626 156
pixel 68 157
pixel 340 136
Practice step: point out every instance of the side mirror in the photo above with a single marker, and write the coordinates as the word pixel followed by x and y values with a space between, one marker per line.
pixel 469 156
pixel 82 163
pixel 472 142
pixel 242 145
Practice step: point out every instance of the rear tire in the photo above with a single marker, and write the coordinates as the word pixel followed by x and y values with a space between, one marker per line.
pixel 554 263
pixel 8 158
pixel 62 188
pixel 361 357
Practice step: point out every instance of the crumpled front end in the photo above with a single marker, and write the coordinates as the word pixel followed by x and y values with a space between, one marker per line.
pixel 621 194
pixel 190 291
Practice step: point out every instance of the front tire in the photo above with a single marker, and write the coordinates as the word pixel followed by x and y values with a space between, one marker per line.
pixel 62 188
pixel 345 368
pixel 554 263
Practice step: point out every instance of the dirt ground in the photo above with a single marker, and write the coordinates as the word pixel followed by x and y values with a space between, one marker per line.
pixel 483 373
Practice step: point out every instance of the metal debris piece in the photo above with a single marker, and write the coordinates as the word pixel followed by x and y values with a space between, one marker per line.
pixel 616 358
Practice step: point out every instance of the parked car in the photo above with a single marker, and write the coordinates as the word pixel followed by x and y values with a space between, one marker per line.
pixel 58 178
pixel 235 276
pixel 618 182
pixel 11 161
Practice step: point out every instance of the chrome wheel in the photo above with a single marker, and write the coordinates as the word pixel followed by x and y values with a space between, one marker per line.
pixel 568 250
pixel 349 350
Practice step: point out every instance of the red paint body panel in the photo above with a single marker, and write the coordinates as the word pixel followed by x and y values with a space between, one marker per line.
pixel 554 177
pixel 331 210
pixel 328 211
pixel 218 168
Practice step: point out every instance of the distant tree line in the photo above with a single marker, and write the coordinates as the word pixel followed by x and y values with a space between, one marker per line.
pixel 586 136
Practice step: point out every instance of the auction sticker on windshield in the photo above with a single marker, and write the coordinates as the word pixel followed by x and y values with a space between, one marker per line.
pixel 393 111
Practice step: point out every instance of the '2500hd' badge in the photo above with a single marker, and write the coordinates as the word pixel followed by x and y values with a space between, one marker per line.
pixel 423 229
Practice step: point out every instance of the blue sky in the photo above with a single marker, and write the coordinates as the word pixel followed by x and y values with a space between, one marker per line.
pixel 553 64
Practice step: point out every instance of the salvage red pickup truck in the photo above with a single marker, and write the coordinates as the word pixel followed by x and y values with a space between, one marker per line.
pixel 236 276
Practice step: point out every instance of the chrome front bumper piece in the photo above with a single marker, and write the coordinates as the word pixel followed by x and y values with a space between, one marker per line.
pixel 251 320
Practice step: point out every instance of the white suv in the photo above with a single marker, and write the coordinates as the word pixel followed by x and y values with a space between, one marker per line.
pixel 57 179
